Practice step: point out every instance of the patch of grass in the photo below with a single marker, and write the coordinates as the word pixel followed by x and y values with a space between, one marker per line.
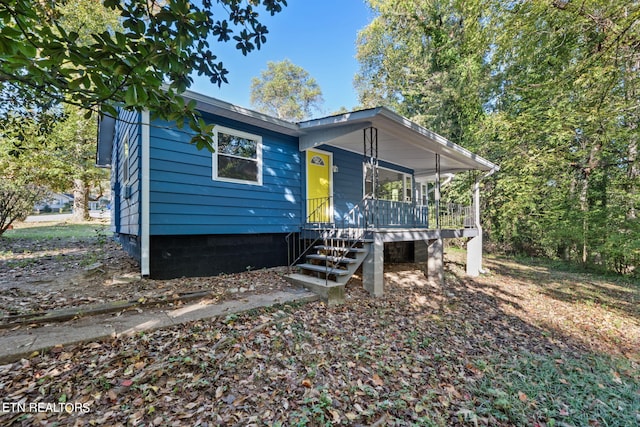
pixel 594 272
pixel 58 231
pixel 559 390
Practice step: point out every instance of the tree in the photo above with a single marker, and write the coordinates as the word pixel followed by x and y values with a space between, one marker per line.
pixel 23 180
pixel 50 149
pixel 61 155
pixel 546 89
pixel 16 202
pixel 286 91
pixel 424 59
pixel 566 100
pixel 74 139
pixel 144 64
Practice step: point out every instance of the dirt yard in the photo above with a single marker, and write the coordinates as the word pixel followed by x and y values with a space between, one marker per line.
pixel 40 275
pixel 524 344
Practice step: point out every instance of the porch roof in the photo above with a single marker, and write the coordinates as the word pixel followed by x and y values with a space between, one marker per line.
pixel 400 141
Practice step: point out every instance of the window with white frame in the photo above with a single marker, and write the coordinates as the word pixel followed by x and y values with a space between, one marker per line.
pixel 126 162
pixel 424 194
pixel 392 185
pixel 237 156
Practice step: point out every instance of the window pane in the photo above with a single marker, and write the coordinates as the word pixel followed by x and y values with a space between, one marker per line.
pixel 390 185
pixel 234 168
pixel 368 180
pixel 125 159
pixel 237 146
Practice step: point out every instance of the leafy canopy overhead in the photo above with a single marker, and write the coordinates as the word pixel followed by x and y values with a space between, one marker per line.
pixel 144 61
pixel 286 91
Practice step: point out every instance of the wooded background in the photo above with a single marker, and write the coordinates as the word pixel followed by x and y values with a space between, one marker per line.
pixel 546 89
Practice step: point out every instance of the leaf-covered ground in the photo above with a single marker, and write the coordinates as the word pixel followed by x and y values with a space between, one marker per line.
pixel 55 268
pixel 523 345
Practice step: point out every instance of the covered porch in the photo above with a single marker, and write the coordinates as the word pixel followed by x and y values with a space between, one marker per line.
pixel 384 186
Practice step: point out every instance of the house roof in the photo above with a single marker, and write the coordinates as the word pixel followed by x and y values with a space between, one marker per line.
pixel 224 109
pixel 400 140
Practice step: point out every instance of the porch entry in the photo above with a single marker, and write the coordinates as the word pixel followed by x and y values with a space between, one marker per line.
pixel 319 186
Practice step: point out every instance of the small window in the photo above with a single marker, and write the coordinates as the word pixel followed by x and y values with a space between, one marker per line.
pixel 237 156
pixel 125 158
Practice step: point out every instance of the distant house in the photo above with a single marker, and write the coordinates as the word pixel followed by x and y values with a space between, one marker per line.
pixel 325 195
pixel 54 203
pixel 96 204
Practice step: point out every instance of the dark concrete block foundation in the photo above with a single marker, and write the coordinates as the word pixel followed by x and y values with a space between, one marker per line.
pixel 210 255
pixel 398 252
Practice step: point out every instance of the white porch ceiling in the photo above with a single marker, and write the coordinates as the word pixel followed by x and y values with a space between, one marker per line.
pixel 400 141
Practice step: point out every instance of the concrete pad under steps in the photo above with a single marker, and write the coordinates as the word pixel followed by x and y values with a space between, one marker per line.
pixel 332 293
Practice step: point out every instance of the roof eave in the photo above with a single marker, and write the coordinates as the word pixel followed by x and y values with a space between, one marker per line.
pixel 225 109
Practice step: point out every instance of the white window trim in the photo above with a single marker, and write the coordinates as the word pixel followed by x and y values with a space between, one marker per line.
pixel 239 134
pixel 126 158
pixel 404 181
pixel 422 189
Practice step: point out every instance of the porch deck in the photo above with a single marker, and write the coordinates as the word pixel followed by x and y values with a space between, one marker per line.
pixel 327 253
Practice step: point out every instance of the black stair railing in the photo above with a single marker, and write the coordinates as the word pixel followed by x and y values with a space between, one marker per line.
pixel 355 227
pixel 351 228
pixel 318 209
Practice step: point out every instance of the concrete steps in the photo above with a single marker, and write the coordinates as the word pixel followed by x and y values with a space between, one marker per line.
pixel 328 268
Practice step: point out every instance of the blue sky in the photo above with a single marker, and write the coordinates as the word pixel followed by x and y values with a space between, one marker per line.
pixel 317 35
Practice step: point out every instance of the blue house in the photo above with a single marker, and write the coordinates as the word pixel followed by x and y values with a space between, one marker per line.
pixel 324 196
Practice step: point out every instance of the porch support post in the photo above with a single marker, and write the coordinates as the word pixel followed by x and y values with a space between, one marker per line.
pixel 373 267
pixel 435 261
pixel 474 246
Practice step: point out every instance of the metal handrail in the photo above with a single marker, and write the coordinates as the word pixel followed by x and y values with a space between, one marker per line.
pixel 370 213
pixel 294 250
pixel 320 207
pixel 362 222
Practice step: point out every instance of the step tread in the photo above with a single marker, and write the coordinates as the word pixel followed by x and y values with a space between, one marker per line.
pixel 324 269
pixel 313 280
pixel 341 260
pixel 341 248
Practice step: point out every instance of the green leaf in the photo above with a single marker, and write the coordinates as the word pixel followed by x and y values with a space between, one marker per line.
pixel 131 95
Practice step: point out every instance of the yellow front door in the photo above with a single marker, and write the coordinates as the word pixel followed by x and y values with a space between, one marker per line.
pixel 319 205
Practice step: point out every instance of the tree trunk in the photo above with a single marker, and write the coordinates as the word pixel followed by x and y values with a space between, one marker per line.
pixel 592 164
pixel 80 201
pixel 633 173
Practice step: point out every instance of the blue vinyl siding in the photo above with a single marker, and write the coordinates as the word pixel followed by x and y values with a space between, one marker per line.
pixel 348 181
pixel 126 189
pixel 184 198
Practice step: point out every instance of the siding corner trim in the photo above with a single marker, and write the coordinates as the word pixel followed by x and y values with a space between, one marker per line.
pixel 144 207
